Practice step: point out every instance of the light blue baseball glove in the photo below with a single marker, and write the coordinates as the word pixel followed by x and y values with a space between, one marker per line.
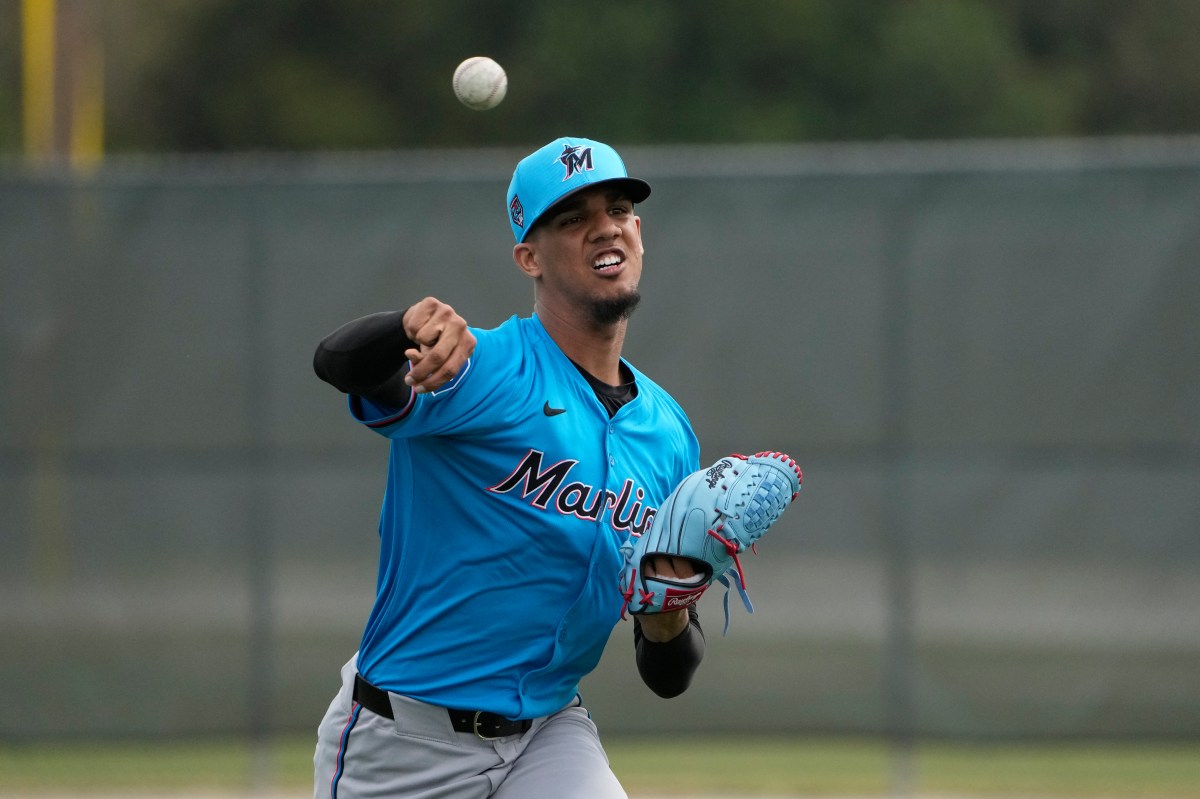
pixel 711 517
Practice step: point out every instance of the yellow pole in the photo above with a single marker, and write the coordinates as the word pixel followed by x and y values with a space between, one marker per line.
pixel 87 107
pixel 38 32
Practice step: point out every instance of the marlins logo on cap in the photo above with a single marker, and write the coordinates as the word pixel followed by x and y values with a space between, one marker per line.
pixel 576 158
pixel 559 169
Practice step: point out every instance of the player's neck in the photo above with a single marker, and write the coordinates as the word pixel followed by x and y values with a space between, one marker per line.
pixel 595 348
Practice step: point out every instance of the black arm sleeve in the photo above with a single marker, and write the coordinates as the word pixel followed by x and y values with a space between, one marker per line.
pixel 366 357
pixel 667 667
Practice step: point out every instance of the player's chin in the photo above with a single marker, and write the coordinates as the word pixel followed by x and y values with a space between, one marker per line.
pixel 607 310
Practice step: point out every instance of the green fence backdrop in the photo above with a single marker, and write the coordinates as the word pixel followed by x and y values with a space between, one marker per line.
pixel 985 356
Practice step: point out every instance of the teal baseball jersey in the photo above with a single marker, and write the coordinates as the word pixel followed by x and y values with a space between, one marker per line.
pixel 509 493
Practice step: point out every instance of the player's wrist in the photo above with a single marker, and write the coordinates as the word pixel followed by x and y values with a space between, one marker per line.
pixel 660 628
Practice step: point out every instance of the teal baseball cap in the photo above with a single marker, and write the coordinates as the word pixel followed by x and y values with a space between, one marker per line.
pixel 558 170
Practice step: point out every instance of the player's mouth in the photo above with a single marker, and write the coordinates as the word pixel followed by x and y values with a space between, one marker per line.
pixel 608 263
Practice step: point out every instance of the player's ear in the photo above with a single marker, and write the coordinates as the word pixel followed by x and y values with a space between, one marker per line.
pixel 526 257
pixel 637 222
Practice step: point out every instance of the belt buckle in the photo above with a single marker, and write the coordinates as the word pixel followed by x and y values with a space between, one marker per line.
pixel 475 728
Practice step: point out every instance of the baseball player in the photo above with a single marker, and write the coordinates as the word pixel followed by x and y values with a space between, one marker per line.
pixel 522 459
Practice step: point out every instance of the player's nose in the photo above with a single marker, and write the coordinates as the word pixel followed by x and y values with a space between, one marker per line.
pixel 605 227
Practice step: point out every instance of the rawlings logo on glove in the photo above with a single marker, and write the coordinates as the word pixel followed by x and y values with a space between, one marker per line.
pixel 710 518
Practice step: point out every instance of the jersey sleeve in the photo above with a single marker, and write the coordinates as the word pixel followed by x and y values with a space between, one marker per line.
pixel 474 401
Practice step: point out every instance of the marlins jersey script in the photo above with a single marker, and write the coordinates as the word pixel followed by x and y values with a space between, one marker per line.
pixel 542 487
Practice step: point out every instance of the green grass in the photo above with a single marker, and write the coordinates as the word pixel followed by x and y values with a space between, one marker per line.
pixel 777 766
pixel 688 767
pixel 148 767
pixel 1070 771
pixel 833 767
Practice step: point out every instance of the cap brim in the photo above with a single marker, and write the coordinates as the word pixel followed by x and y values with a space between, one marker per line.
pixel 635 188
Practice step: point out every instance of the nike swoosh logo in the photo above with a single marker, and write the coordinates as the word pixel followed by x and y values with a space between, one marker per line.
pixel 546 409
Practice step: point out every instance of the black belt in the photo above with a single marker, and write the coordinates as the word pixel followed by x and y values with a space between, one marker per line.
pixel 485 725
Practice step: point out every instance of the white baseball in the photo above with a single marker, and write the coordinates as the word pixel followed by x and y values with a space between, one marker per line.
pixel 480 83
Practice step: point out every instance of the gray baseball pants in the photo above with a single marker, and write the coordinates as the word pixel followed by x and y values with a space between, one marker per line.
pixel 418 755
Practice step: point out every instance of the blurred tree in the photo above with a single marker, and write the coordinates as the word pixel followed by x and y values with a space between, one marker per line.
pixel 1127 67
pixel 950 68
pixel 323 74
pixel 1149 76
pixel 10 78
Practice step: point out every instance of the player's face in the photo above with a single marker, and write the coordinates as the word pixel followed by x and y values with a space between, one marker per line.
pixel 587 252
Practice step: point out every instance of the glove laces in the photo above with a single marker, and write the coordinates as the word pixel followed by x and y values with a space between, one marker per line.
pixel 733 549
pixel 645 597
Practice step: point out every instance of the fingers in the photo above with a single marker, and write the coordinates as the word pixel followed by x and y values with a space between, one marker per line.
pixel 670 567
pixel 444 343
